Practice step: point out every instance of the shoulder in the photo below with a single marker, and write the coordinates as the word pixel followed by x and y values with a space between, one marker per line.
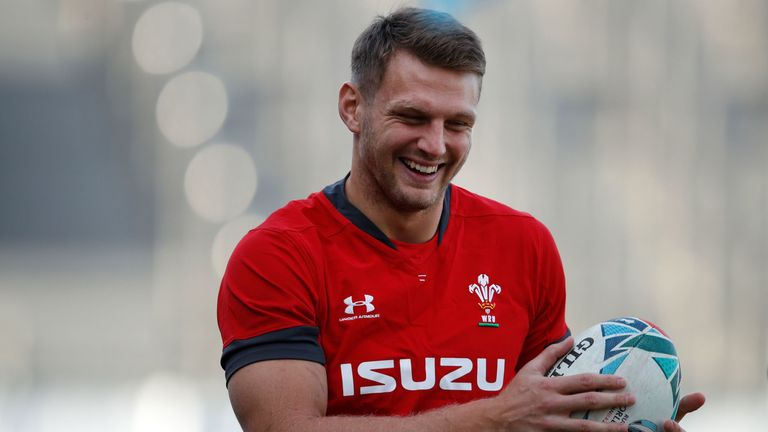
pixel 472 207
pixel 299 218
pixel 485 220
pixel 296 227
pixel 470 204
pixel 298 215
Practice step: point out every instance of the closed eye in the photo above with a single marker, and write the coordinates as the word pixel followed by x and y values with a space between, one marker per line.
pixel 411 118
pixel 458 125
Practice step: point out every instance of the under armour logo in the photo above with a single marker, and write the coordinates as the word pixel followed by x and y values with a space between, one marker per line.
pixel 368 303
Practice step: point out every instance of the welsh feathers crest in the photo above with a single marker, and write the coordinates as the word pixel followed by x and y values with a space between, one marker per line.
pixel 485 293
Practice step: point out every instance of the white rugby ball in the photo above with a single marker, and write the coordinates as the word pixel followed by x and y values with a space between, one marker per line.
pixel 641 353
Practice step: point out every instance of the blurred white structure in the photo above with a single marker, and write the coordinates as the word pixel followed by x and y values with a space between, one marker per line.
pixel 140 139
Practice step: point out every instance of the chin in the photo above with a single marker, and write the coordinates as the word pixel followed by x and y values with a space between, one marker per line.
pixel 415 201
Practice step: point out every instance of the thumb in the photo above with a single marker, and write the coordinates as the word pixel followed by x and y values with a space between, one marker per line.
pixel 542 362
pixel 689 403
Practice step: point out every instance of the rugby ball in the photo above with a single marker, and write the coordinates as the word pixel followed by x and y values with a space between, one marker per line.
pixel 639 352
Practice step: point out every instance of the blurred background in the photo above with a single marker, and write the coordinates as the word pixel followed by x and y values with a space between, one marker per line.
pixel 139 140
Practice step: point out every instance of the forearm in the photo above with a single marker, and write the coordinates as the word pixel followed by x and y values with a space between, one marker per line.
pixel 290 395
pixel 472 416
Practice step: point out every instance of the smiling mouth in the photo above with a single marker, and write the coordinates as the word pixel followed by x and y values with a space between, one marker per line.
pixel 420 169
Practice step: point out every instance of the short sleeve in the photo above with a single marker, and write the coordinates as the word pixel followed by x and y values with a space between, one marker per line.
pixel 267 305
pixel 548 325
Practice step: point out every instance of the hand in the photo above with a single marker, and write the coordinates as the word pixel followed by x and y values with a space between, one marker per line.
pixel 688 403
pixel 534 402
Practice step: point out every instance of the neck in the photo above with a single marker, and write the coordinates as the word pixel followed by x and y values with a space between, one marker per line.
pixel 406 226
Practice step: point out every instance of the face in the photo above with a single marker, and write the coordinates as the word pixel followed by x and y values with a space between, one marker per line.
pixel 416 133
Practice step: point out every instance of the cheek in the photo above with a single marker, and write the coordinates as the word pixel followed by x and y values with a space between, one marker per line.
pixel 397 134
pixel 392 141
pixel 461 144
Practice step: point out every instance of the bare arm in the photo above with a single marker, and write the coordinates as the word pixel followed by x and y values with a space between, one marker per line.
pixel 291 395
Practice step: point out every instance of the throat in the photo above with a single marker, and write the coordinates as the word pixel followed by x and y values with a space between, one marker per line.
pixel 410 226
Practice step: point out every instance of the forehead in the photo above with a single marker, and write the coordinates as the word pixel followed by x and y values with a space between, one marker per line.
pixel 411 82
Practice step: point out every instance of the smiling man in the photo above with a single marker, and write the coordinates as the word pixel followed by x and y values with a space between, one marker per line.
pixel 394 300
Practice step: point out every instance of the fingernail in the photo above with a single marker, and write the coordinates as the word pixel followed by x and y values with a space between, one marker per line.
pixel 621 381
pixel 631 399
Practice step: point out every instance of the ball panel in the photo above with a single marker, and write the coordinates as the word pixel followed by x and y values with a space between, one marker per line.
pixel 668 365
pixel 611 367
pixel 643 426
pixel 610 329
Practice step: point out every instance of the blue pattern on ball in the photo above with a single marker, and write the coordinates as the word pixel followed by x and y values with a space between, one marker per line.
pixel 616 329
pixel 611 367
pixel 613 346
pixel 632 322
pixel 643 426
pixel 668 365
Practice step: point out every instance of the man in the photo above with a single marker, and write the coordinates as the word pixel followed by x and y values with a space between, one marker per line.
pixel 393 300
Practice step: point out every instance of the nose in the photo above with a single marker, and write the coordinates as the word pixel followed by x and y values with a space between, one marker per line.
pixel 432 142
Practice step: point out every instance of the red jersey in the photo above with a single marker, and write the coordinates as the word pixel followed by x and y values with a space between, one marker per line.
pixel 400 328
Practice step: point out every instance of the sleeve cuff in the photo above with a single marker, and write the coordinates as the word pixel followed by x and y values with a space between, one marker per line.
pixel 563 337
pixel 295 343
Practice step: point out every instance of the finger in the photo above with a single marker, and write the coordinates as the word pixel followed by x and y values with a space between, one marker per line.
pixel 689 403
pixel 591 401
pixel 541 363
pixel 671 426
pixel 587 382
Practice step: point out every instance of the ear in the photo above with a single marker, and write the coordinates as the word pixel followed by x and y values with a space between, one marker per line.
pixel 351 106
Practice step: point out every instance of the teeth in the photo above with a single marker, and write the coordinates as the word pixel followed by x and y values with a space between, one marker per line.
pixel 421 168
